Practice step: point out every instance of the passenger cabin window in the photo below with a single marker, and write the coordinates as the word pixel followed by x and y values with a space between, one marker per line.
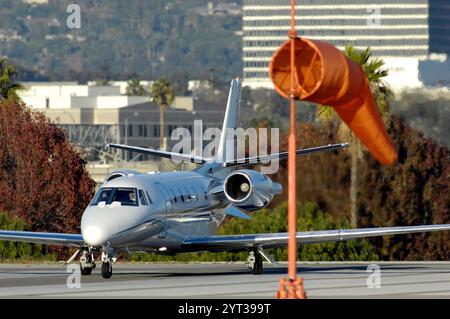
pixel 142 198
pixel 189 196
pixel 126 196
pixel 173 196
pixel 194 194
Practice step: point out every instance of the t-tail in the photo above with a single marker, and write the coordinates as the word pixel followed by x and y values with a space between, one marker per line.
pixel 226 149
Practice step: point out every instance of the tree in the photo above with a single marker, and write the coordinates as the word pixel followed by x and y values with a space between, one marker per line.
pixel 372 68
pixel 135 88
pixel 43 180
pixel 8 84
pixel 413 191
pixel 163 95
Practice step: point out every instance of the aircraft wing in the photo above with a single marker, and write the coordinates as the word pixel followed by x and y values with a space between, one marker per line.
pixel 284 155
pixel 274 240
pixel 71 240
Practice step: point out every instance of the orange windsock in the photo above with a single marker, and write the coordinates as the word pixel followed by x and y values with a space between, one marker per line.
pixel 326 76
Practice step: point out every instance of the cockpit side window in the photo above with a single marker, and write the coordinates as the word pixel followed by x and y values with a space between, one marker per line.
pixel 142 198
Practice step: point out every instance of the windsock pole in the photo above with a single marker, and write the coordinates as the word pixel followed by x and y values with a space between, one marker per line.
pixel 292 160
pixel 294 289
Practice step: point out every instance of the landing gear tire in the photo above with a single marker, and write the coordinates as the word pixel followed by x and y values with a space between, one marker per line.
pixel 87 263
pixel 106 269
pixel 255 262
pixel 85 271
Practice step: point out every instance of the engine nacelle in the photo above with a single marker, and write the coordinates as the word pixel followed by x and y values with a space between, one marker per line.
pixel 117 174
pixel 249 189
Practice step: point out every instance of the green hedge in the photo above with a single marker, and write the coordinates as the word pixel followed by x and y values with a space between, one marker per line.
pixel 14 251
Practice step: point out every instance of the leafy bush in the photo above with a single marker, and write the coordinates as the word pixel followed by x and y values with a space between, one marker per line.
pixel 14 250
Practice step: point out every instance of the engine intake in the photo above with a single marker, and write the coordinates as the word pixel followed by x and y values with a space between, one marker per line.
pixel 250 190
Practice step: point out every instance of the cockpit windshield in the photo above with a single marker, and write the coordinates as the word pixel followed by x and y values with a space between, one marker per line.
pixel 125 196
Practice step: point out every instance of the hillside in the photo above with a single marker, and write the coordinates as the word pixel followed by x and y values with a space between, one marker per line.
pixel 121 39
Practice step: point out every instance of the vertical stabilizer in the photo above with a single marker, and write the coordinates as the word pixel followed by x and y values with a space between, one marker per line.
pixel 226 149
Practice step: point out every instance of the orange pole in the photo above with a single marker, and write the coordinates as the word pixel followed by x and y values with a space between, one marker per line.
pixel 292 178
pixel 292 288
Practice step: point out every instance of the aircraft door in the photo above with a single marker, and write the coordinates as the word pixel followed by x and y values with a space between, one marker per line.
pixel 167 199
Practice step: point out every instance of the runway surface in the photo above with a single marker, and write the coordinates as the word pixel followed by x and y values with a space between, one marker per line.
pixel 220 280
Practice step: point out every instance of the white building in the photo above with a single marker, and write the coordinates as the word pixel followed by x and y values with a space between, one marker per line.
pixel 94 114
pixel 66 95
pixel 396 30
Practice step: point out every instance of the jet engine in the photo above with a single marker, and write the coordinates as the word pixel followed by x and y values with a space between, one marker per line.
pixel 250 190
pixel 116 174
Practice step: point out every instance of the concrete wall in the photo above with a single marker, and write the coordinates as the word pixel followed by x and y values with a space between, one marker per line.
pixel 103 90
pixel 183 102
pixel 106 116
pixel 84 101
pixel 49 89
pixel 60 102
pixel 74 90
pixel 35 102
pixel 64 116
pixel 119 101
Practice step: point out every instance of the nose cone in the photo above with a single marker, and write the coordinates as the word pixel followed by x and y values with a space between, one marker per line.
pixel 111 224
pixel 93 235
pixel 97 226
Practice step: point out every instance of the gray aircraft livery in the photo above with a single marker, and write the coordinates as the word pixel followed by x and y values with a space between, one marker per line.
pixel 175 212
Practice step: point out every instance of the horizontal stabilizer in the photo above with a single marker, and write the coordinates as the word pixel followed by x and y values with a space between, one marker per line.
pixel 284 155
pixel 236 212
pixel 159 153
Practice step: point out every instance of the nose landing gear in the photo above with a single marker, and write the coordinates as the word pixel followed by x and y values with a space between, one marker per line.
pixel 255 262
pixel 87 263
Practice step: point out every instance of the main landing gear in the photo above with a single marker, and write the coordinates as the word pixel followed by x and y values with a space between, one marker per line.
pixel 87 263
pixel 107 260
pixel 255 262
pixel 106 269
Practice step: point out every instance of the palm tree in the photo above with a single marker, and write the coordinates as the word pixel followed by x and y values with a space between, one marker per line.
pixel 135 88
pixel 8 84
pixel 163 95
pixel 372 67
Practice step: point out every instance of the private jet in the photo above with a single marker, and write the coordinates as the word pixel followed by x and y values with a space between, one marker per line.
pixel 180 211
